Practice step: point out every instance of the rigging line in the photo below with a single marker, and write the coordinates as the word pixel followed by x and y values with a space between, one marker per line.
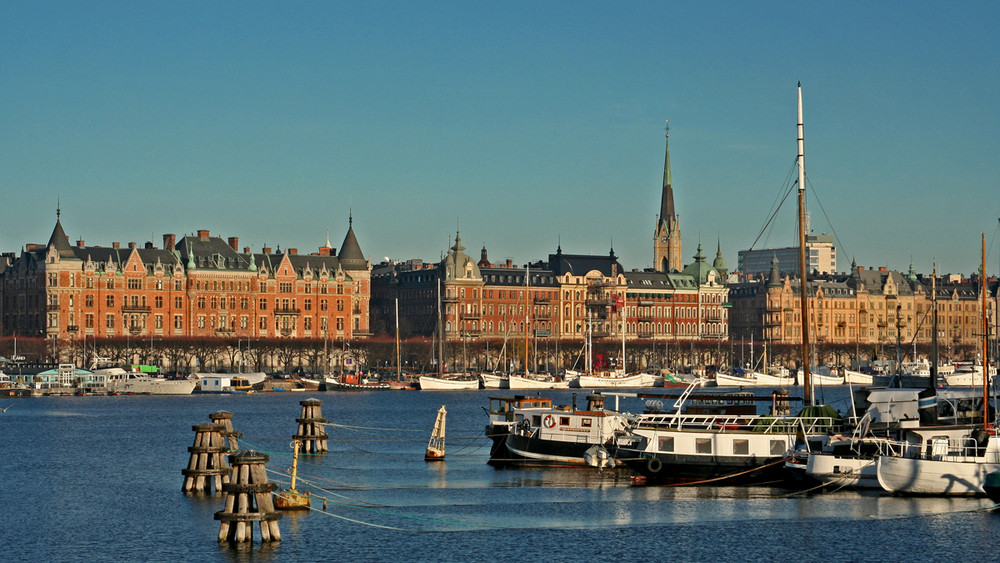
pixel 369 427
pixel 776 206
pixel 397 515
pixel 825 216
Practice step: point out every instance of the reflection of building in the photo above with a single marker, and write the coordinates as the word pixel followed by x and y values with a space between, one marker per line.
pixel 198 286
pixel 867 306
pixel 821 257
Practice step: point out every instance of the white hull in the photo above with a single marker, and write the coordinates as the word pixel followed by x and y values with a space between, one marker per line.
pixel 849 472
pixel 755 379
pixel 253 378
pixel 637 381
pixel 820 379
pixel 933 477
pixel 857 378
pixel 430 383
pixel 153 386
pixel 519 382
pixel 492 381
pixel 968 378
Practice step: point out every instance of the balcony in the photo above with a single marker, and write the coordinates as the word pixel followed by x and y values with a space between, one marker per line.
pixel 542 333
pixel 598 302
pixel 644 334
pixel 135 309
pixel 471 316
pixel 52 307
pixel 72 328
pixel 449 299
pixel 287 311
pixel 542 300
pixel 646 303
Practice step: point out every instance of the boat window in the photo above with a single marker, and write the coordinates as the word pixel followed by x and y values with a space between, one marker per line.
pixel 778 447
pixel 741 447
pixel 536 420
pixel 586 422
pixel 666 444
pixel 563 421
pixel 703 445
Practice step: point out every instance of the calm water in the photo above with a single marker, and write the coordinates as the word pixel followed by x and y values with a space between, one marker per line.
pixel 98 479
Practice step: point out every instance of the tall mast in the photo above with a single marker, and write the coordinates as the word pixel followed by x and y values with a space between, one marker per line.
pixel 934 336
pixel 399 373
pixel 801 161
pixel 440 333
pixel 986 340
pixel 527 320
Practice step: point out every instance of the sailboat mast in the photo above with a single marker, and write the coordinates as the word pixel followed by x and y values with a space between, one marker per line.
pixel 986 340
pixel 801 161
pixel 440 333
pixel 934 336
pixel 527 319
pixel 399 373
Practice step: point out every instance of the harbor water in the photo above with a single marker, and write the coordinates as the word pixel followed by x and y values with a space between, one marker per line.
pixel 99 479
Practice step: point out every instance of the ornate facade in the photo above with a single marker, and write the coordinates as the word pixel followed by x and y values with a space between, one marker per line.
pixel 198 286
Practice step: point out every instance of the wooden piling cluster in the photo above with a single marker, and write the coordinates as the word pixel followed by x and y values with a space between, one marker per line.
pixel 207 464
pixel 226 419
pixel 311 434
pixel 248 500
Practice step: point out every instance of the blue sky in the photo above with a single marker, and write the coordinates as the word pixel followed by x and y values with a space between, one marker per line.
pixel 520 123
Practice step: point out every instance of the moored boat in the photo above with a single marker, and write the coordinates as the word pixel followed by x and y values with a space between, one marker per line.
pixel 531 431
pixel 461 382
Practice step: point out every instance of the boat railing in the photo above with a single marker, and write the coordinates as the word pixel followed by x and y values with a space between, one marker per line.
pixel 744 423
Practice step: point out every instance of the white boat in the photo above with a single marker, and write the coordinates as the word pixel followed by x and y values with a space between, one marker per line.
pixel 755 378
pixel 493 381
pixel 822 375
pixel 954 462
pixel 616 380
pixel 253 377
pixel 857 378
pixel 948 461
pixel 531 431
pixel 969 376
pixel 532 381
pixel 453 383
pixel 719 438
pixel 119 380
pixel 223 383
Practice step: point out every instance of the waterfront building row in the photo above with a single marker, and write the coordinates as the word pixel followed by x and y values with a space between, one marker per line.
pixel 198 286
pixel 865 307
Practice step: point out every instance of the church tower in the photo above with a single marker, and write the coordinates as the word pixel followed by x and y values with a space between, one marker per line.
pixel 667 238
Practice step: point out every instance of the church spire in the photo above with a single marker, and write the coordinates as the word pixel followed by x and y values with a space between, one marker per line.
pixel 667 196
pixel 667 255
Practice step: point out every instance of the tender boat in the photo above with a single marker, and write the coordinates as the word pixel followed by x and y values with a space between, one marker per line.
pixel 354 382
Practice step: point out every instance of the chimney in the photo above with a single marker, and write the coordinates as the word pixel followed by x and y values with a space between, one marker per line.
pixel 116 245
pixel 168 241
pixel 266 250
pixel 131 245
pixel 80 244
pixel 30 246
pixel 509 263
pixel 293 251
pixel 203 234
pixel 881 268
pixel 234 243
pixel 246 250
pixel 324 251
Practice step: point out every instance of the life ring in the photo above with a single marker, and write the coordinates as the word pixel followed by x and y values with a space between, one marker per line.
pixel 654 465
pixel 549 421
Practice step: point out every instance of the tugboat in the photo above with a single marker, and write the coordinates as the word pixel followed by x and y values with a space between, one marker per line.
pixel 531 431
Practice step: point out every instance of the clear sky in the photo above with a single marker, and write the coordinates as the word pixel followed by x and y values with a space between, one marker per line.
pixel 518 122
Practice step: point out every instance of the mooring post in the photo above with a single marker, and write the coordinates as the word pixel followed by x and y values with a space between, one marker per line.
pixel 226 419
pixel 248 500
pixel 207 464
pixel 311 433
